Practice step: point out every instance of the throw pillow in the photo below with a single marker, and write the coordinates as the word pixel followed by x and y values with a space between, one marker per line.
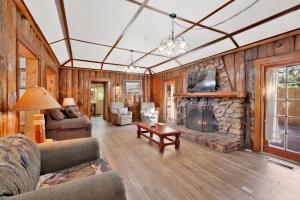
pixel 77 111
pixel 123 111
pixel 56 114
pixel 71 113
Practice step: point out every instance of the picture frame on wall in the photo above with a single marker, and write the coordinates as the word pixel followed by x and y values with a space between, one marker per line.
pixel 133 87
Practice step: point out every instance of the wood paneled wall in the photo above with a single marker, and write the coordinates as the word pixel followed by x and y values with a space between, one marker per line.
pixel 241 73
pixel 14 28
pixel 74 82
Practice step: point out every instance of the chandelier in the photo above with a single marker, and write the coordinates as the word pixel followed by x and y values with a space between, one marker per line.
pixel 173 46
pixel 130 68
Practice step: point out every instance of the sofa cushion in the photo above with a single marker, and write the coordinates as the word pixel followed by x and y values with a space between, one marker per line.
pixel 73 112
pixel 20 165
pixel 80 122
pixel 56 114
pixel 83 170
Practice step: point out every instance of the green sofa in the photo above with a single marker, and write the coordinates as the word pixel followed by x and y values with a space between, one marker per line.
pixel 60 170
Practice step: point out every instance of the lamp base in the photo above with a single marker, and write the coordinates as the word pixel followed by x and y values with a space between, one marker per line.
pixel 39 128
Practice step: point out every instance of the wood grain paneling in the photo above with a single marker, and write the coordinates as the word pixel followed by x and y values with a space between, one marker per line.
pixel 284 46
pixel 239 66
pixel 230 69
pixel 74 82
pixel 297 43
pixel 15 28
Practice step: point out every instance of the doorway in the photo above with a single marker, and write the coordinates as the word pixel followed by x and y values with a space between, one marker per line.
pixel 97 99
pixel 282 120
pixel 28 76
pixel 93 99
pixel 169 103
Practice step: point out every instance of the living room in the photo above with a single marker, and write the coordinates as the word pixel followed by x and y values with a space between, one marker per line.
pixel 149 99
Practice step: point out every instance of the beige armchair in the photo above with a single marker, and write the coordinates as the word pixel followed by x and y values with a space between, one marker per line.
pixel 148 112
pixel 120 114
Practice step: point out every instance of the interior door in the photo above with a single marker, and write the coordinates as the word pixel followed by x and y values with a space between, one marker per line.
pixel 282 119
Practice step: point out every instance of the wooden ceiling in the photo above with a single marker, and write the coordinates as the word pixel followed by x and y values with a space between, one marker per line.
pixel 99 34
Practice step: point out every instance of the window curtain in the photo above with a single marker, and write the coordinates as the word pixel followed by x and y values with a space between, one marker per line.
pixel 271 123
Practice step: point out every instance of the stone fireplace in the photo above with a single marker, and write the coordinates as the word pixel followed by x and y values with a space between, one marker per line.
pixel 225 131
pixel 228 114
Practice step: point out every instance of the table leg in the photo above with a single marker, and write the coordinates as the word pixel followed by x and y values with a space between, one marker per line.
pixel 151 136
pixel 177 142
pixel 139 132
pixel 161 144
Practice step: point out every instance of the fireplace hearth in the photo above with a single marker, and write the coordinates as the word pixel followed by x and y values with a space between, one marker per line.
pixel 200 118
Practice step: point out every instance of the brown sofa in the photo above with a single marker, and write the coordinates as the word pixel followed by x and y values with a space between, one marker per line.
pixel 68 128
pixel 25 165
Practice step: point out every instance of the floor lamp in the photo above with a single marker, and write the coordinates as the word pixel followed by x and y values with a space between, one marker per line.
pixel 37 98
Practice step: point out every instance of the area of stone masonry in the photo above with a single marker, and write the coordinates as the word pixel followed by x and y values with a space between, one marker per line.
pixel 229 114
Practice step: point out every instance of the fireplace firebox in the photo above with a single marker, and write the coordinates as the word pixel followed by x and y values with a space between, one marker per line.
pixel 200 117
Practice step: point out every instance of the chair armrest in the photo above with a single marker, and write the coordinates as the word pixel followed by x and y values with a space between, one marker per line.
pixel 101 186
pixel 68 153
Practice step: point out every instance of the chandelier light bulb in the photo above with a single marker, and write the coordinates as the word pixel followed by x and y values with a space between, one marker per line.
pixel 173 46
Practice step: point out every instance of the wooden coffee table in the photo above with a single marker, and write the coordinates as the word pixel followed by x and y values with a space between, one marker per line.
pixel 162 131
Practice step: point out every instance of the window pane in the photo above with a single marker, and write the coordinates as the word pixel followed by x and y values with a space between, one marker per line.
pixel 281 74
pixel 281 91
pixel 294 74
pixel 279 133
pixel 294 90
pixel 294 108
pixel 293 136
pixel 280 107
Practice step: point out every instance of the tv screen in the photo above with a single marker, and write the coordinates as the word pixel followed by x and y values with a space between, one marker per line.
pixel 202 81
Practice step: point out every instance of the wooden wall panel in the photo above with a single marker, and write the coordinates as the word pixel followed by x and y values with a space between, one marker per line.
pixel 62 85
pixel 80 89
pixel 266 50
pixel 239 66
pixel 230 68
pixel 13 28
pixel 75 82
pixel 74 87
pixel 235 64
pixel 69 83
pixel 297 43
pixel 156 89
pixel 86 91
pixel 284 46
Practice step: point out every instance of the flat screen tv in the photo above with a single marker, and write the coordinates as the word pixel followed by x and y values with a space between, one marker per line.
pixel 202 81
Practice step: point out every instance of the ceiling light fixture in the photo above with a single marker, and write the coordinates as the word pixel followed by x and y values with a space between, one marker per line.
pixel 173 46
pixel 129 68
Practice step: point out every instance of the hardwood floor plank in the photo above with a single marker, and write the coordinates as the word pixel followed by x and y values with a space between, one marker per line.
pixel 193 172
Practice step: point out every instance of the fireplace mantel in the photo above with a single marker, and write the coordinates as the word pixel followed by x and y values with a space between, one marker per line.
pixel 212 94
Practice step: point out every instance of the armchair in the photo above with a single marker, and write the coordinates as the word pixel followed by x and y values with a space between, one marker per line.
pixel 148 112
pixel 119 114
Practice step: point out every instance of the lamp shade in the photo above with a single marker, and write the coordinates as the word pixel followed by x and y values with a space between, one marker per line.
pixel 36 98
pixel 69 102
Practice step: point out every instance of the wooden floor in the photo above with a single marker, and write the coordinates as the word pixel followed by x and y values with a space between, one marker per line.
pixel 193 172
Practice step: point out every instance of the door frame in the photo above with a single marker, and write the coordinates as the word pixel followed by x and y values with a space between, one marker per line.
pixel 32 60
pixel 107 88
pixel 259 142
pixel 163 107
